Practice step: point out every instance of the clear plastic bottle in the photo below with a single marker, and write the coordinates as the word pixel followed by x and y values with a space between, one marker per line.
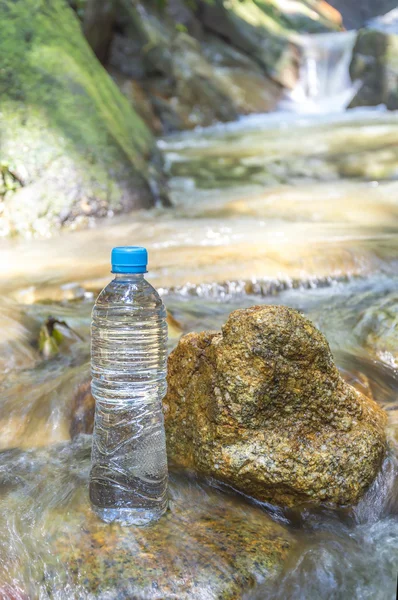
pixel 128 479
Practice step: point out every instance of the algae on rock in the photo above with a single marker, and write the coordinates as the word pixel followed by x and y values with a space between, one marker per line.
pixel 68 136
pixel 262 408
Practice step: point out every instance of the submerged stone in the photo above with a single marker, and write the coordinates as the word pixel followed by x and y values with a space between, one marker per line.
pixel 262 408
pixel 208 545
pixel 16 345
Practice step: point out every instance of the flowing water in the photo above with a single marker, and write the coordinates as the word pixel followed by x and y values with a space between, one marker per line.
pixel 301 211
pixel 324 84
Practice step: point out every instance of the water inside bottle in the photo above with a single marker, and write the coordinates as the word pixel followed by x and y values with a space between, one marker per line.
pixel 128 481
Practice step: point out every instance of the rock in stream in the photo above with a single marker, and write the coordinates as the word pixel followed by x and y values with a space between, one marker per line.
pixel 262 407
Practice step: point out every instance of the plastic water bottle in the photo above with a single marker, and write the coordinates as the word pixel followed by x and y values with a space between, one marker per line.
pixel 128 480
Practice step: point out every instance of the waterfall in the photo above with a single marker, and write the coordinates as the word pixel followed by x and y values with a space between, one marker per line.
pixel 324 83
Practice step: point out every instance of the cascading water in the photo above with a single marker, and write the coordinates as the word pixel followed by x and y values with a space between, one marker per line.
pixel 324 83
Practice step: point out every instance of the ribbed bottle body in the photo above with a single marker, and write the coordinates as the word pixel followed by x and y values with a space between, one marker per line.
pixel 128 480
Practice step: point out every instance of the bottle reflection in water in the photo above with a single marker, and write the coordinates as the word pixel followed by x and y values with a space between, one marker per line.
pixel 128 480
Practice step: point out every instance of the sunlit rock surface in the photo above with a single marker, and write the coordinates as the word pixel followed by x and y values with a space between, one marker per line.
pixel 262 407
pixel 378 326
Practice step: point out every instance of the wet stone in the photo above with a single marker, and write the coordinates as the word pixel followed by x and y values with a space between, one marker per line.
pixel 210 544
pixel 377 328
pixel 265 410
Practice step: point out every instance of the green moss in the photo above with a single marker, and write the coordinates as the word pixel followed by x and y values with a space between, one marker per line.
pixel 64 121
pixel 8 181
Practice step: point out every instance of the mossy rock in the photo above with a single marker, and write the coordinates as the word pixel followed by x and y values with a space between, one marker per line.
pixel 375 64
pixel 69 138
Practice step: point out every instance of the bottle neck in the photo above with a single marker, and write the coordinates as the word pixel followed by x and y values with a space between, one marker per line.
pixel 133 277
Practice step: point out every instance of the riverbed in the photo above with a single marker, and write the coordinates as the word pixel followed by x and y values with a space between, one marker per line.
pixel 277 209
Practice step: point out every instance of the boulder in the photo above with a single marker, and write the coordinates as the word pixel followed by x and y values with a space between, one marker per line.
pixel 262 407
pixel 71 146
pixel 375 65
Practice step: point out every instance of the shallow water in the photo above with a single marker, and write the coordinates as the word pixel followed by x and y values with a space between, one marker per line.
pixel 265 212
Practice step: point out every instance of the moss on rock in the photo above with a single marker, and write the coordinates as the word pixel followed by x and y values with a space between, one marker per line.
pixel 375 65
pixel 67 134
pixel 262 407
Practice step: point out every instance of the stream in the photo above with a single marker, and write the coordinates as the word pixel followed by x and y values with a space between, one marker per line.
pixel 300 210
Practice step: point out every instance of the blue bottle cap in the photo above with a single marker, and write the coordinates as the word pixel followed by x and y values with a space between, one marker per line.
pixel 129 259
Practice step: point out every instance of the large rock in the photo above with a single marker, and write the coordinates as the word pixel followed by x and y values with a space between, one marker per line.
pixel 262 408
pixel 375 66
pixel 71 146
